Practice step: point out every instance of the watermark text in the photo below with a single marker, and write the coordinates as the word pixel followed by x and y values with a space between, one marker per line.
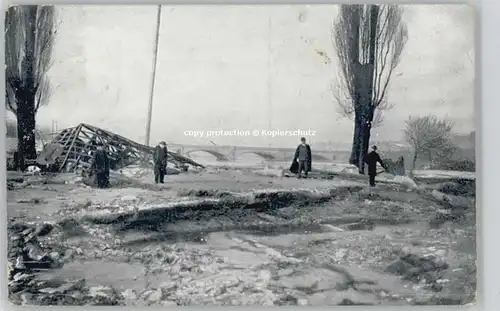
pixel 250 133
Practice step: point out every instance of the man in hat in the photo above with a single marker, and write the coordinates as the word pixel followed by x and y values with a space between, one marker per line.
pixel 160 162
pixel 100 166
pixel 303 157
pixel 371 159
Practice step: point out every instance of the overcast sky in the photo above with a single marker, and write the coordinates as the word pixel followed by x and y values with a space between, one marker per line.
pixel 227 67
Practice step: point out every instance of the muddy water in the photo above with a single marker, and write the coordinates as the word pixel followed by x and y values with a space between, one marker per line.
pixel 305 267
pixel 266 260
pixel 315 255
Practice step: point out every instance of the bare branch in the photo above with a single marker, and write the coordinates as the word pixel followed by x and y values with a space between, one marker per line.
pixel 344 34
pixel 43 93
pixel 44 40
pixel 39 23
pixel 13 51
pixel 353 24
pixel 378 118
pixel 429 133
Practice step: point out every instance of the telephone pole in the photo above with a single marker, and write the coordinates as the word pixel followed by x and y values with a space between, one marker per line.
pixel 153 78
pixel 269 77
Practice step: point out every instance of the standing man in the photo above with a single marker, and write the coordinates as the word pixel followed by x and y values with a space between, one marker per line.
pixel 371 159
pixel 106 150
pixel 303 156
pixel 160 162
pixel 100 167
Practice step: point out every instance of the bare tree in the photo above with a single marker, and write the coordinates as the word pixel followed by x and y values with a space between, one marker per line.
pixel 369 40
pixel 29 37
pixel 442 154
pixel 347 112
pixel 428 135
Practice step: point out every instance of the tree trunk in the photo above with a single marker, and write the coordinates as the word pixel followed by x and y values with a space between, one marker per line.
pixel 25 96
pixel 364 85
pixel 356 143
pixel 361 158
pixel 413 163
pixel 374 10
pixel 26 126
pixel 365 116
pixel 365 138
pixel 368 107
pixel 354 51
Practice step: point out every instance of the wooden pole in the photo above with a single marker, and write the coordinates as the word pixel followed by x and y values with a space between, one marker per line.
pixel 155 56
pixel 269 77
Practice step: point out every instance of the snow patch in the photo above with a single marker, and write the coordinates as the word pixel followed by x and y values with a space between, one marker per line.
pixel 405 181
pixel 33 170
pixel 444 174
pixel 269 172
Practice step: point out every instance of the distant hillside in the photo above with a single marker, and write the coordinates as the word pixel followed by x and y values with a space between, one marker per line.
pixel 462 141
pixel 465 141
pixel 392 146
pixel 342 146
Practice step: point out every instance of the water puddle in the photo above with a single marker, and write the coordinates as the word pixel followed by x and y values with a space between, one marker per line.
pixel 311 255
pixel 119 275
pixel 275 263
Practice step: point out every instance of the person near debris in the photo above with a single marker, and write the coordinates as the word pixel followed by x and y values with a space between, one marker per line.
pixel 371 159
pixel 106 150
pixel 100 167
pixel 160 162
pixel 303 158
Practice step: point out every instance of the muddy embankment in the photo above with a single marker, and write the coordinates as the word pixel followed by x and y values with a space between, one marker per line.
pixel 344 245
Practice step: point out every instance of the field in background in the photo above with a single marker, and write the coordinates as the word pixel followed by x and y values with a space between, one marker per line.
pixel 340 158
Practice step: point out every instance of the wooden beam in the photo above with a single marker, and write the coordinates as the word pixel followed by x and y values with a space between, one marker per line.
pixel 75 136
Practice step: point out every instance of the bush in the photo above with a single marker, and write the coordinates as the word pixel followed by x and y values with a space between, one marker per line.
pixel 464 165
pixel 460 187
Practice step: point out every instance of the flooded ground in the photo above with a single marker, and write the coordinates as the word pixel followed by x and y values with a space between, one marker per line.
pixel 296 242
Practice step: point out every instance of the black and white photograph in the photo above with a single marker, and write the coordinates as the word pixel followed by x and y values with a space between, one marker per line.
pixel 240 155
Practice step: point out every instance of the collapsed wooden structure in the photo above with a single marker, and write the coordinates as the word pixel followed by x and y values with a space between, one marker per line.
pixel 73 148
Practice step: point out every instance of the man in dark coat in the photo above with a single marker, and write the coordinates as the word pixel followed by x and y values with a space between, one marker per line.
pixel 371 159
pixel 160 162
pixel 303 158
pixel 100 167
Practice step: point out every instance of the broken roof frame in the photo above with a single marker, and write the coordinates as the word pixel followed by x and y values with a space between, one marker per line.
pixel 76 146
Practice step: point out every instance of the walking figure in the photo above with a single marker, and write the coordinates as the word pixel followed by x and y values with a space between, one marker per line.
pixel 371 159
pixel 100 167
pixel 160 162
